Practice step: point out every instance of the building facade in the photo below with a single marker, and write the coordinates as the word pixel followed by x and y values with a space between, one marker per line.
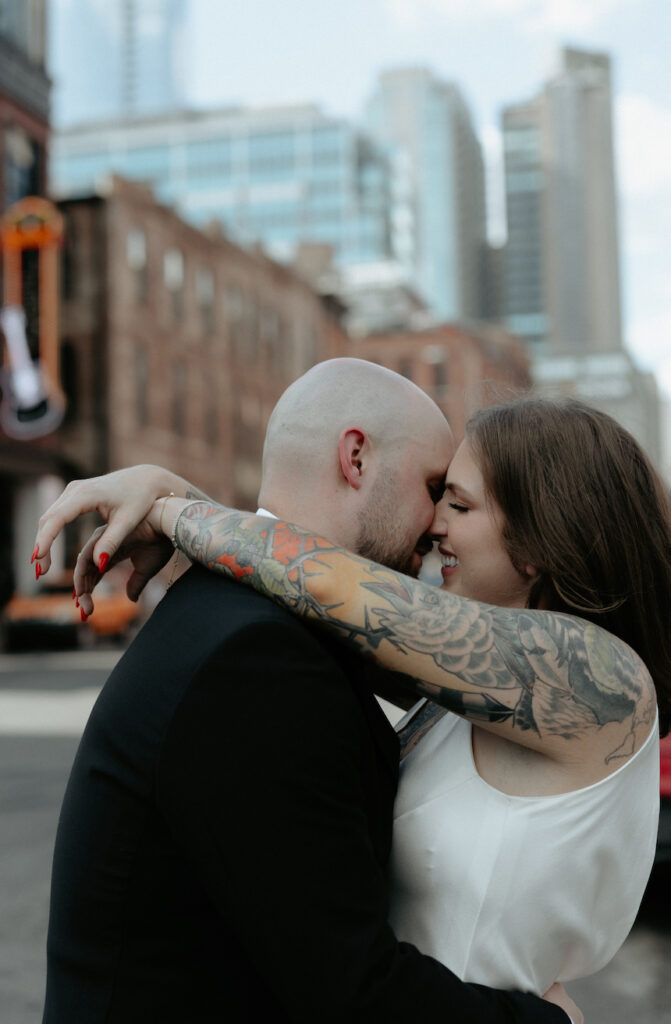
pixel 562 277
pixel 523 296
pixel 461 368
pixel 439 211
pixel 24 101
pixel 174 347
pixel 560 268
pixel 181 342
pixel 282 176
pixel 129 58
pixel 609 381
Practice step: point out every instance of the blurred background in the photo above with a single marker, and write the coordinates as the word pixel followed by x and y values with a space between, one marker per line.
pixel 199 199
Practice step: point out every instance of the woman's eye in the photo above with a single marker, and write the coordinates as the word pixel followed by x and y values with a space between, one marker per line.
pixel 458 508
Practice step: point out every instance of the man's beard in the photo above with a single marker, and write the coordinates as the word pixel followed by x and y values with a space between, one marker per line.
pixel 378 537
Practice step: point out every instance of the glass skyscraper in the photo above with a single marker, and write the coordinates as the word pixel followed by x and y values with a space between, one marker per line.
pixel 282 176
pixel 561 279
pixel 115 59
pixel 439 191
pixel 525 301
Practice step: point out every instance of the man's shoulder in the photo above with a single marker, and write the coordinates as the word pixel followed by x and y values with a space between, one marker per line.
pixel 203 627
pixel 199 583
pixel 218 603
pixel 221 618
pixel 204 612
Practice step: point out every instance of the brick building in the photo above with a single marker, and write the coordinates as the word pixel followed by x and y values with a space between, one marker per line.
pixel 175 344
pixel 462 367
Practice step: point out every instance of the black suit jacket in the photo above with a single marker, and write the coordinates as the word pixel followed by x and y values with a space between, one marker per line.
pixel 223 844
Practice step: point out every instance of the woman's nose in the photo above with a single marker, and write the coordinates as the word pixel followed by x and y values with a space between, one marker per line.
pixel 438 526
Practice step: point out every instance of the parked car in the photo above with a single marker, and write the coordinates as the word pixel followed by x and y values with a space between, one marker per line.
pixel 664 835
pixel 50 618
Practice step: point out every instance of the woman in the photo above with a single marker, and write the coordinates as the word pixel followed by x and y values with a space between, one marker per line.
pixel 553 762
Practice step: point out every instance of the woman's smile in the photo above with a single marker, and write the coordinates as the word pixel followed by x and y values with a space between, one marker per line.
pixel 449 563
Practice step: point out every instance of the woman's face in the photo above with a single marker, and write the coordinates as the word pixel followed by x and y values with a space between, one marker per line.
pixel 475 562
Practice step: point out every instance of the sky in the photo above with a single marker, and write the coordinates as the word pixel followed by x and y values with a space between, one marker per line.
pixel 257 52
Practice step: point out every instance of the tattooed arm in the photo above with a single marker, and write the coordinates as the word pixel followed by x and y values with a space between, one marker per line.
pixel 551 682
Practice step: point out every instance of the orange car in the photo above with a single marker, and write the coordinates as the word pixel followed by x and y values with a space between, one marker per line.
pixel 50 617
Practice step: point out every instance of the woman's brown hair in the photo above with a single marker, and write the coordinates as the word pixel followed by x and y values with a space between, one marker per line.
pixel 583 505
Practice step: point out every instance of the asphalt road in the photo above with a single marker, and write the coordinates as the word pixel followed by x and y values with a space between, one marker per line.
pixel 44 700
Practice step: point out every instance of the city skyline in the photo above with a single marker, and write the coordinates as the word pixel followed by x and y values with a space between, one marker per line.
pixel 497 52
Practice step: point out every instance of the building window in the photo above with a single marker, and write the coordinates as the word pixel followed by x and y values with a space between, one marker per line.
pixel 179 399
pixel 173 278
pixel 269 333
pixel 69 382
pixel 234 312
pixel 405 368
pixel 435 356
pixel 141 387
pixel 251 327
pixel 205 297
pixel 243 320
pixel 271 154
pixel 136 258
pixel 311 347
pixel 209 159
pixel 68 259
pixel 23 165
pixel 211 405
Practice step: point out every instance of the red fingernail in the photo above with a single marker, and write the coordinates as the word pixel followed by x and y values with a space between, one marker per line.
pixel 102 561
pixel 38 570
pixel 83 614
pixel 74 593
pixel 34 554
pixel 76 602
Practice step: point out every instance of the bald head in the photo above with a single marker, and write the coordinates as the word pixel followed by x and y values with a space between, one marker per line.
pixel 312 412
pixel 332 433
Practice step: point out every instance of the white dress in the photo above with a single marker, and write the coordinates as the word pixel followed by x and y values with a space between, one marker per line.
pixel 517 892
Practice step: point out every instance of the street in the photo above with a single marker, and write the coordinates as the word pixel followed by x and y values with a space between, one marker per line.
pixel 44 701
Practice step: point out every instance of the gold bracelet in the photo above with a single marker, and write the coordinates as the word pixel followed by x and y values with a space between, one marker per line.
pixel 178 555
pixel 160 519
pixel 178 552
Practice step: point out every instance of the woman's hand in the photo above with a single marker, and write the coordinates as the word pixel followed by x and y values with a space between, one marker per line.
pixel 147 550
pixel 123 499
pixel 148 546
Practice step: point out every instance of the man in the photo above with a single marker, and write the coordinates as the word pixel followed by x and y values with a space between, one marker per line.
pixel 223 845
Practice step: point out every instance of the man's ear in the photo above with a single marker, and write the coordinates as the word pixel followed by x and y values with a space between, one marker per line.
pixel 350 453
